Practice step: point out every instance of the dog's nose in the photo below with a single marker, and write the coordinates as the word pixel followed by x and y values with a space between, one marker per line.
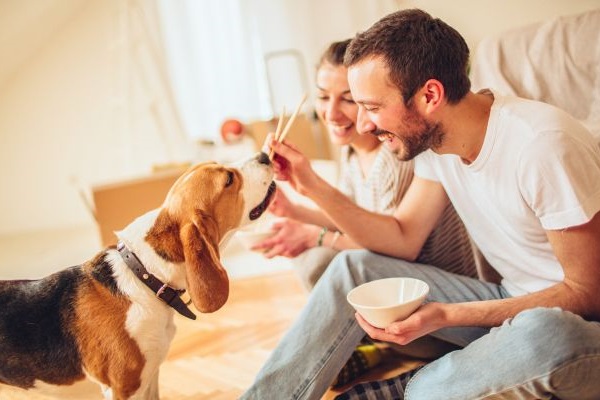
pixel 263 158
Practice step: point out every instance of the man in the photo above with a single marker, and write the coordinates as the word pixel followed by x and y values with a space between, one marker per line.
pixel 525 179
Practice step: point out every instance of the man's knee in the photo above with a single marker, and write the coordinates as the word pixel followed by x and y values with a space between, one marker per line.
pixel 538 330
pixel 540 342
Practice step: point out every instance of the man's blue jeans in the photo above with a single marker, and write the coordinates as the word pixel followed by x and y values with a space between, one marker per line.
pixel 542 353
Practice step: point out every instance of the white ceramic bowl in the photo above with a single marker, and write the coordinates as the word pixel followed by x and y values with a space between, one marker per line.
pixel 250 237
pixel 384 301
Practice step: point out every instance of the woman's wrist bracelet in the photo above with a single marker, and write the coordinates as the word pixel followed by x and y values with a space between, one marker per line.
pixel 336 236
pixel 321 236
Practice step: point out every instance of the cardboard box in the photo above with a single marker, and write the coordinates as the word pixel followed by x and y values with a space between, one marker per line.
pixel 119 203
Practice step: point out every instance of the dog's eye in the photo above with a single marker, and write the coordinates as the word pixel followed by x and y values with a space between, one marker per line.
pixel 230 177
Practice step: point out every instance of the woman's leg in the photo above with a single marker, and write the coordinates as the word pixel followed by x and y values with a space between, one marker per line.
pixel 311 264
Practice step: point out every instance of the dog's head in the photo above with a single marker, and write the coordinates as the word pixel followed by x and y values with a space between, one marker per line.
pixel 205 203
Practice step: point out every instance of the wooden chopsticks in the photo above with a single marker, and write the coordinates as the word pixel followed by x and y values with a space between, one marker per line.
pixel 280 134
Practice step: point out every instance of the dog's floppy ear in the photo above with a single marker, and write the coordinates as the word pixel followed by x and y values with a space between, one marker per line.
pixel 207 280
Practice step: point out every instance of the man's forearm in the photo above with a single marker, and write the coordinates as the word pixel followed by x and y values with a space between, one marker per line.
pixel 373 231
pixel 494 312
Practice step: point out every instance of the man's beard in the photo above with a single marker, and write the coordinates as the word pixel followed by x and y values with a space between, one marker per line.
pixel 426 136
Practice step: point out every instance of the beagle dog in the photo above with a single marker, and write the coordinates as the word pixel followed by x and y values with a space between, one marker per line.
pixel 111 318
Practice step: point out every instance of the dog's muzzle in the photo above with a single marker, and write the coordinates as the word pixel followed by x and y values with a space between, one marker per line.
pixel 257 211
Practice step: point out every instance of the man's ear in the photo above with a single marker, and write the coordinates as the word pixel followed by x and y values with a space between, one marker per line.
pixel 433 95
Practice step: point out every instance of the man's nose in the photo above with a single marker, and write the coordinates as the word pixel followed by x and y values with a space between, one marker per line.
pixel 364 125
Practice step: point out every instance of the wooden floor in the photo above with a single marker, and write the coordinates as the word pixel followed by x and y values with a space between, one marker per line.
pixel 217 356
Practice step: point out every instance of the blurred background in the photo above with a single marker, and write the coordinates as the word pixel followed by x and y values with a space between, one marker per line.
pixel 104 94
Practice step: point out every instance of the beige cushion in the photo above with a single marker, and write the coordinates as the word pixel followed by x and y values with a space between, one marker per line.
pixel 557 62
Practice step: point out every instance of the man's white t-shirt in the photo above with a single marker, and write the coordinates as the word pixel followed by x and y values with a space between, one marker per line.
pixel 538 169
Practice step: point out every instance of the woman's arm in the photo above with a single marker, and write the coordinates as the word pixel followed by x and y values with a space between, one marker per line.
pixel 281 206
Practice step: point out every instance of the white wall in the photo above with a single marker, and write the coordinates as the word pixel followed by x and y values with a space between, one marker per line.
pixel 84 106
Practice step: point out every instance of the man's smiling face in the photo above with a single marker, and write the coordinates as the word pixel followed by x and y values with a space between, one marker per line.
pixel 383 112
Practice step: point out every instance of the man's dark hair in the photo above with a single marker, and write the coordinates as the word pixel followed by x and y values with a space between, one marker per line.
pixel 334 54
pixel 416 47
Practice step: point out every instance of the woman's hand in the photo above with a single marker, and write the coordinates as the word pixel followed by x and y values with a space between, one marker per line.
pixel 281 206
pixel 290 239
pixel 428 318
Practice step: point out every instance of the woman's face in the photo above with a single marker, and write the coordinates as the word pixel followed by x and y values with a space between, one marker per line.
pixel 335 105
